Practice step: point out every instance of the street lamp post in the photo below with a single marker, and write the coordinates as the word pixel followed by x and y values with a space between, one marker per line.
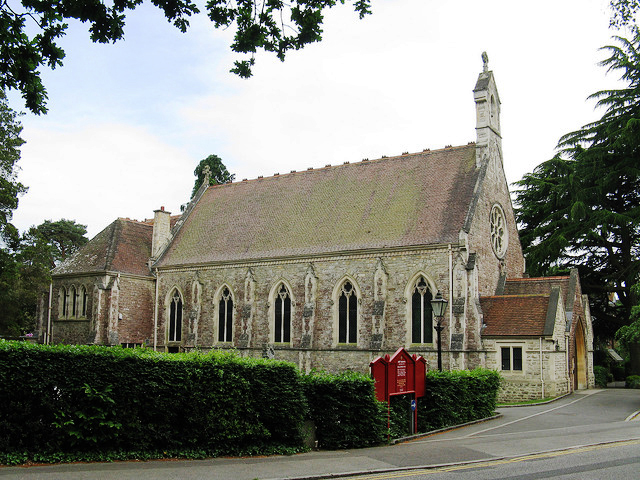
pixel 439 306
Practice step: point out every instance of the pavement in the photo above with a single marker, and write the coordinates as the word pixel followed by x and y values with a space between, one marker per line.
pixel 590 417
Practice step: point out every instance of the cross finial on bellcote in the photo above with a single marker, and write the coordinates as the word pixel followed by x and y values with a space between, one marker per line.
pixel 485 62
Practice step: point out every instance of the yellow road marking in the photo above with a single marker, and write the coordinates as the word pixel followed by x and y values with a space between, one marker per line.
pixel 491 463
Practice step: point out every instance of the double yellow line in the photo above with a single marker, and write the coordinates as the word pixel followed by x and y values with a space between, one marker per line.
pixel 492 463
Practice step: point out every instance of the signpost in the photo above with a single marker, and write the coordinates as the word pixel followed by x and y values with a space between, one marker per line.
pixel 401 374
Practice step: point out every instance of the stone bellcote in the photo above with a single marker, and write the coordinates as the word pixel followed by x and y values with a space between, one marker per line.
pixel 161 231
pixel 487 101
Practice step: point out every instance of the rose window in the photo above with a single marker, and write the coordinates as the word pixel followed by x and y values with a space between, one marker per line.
pixel 499 236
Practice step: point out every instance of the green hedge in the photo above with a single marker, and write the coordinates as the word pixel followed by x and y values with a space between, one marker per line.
pixel 345 410
pixel 457 397
pixel 632 381
pixel 58 400
pixel 601 375
pixel 67 403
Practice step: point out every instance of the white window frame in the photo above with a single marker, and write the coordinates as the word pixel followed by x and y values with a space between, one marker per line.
pixel 511 346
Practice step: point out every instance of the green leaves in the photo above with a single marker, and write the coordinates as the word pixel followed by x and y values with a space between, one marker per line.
pixel 218 173
pixel 581 209
pixel 345 411
pixel 271 25
pixel 80 402
pixel 457 397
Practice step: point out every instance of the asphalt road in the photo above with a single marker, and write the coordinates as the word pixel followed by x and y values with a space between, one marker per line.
pixel 587 418
pixel 619 461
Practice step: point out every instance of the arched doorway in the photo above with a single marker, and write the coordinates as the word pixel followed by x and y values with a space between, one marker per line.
pixel 580 360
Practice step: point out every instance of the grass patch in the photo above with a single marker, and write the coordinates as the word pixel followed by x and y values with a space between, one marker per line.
pixel 526 402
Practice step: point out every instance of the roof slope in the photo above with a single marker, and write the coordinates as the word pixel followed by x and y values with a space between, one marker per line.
pixel 124 246
pixel 536 285
pixel 415 199
pixel 515 315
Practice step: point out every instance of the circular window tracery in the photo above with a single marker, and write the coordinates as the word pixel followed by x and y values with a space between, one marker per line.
pixel 499 234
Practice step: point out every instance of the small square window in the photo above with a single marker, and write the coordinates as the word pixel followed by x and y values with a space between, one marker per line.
pixel 511 359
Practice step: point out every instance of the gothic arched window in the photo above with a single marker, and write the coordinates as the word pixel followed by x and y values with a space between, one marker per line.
pixel 83 301
pixel 348 314
pixel 175 317
pixel 63 302
pixel 73 301
pixel 421 313
pixel 225 316
pixel 282 320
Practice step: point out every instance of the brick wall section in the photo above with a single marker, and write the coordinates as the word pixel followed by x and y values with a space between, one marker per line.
pixel 107 297
pixel 136 307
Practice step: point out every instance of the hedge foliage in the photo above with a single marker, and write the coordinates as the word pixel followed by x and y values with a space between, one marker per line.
pixel 59 400
pixel 632 381
pixel 601 375
pixel 69 403
pixel 457 397
pixel 345 411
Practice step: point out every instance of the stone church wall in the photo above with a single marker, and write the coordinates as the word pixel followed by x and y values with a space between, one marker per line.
pixel 382 280
pixel 527 385
pixel 490 266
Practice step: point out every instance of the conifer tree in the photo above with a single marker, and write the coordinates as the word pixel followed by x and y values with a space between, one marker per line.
pixel 582 208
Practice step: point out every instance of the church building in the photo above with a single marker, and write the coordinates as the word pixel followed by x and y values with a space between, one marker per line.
pixel 331 267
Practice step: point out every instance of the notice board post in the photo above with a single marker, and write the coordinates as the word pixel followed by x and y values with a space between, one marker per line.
pixel 400 374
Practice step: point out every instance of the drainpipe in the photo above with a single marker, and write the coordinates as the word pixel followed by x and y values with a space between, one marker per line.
pixel 451 299
pixel 568 363
pixel 155 316
pixel 541 368
pixel 47 339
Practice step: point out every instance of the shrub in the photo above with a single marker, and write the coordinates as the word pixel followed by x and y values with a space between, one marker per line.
pixel 345 410
pixel 601 376
pixel 60 401
pixel 632 381
pixel 457 397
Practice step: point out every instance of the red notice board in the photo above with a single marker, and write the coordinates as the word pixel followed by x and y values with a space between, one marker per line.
pixel 401 373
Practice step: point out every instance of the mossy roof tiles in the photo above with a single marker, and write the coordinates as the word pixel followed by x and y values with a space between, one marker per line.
pixel 124 247
pixel 415 199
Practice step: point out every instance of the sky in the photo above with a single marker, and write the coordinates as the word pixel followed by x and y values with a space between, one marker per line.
pixel 129 122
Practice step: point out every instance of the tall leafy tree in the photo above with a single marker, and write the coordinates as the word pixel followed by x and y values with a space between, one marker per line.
pixel 25 270
pixel 623 12
pixel 218 173
pixel 10 143
pixel 54 242
pixel 273 26
pixel 582 208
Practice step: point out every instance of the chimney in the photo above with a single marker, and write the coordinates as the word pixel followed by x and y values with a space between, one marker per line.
pixel 161 231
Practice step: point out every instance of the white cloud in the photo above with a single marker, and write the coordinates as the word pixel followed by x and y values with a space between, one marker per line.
pixel 97 173
pixel 129 123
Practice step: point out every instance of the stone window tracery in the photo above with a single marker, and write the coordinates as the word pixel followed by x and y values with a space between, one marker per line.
pixel 73 301
pixel 421 313
pixel 63 302
pixel 347 314
pixel 499 234
pixel 83 301
pixel 225 316
pixel 282 320
pixel 175 318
